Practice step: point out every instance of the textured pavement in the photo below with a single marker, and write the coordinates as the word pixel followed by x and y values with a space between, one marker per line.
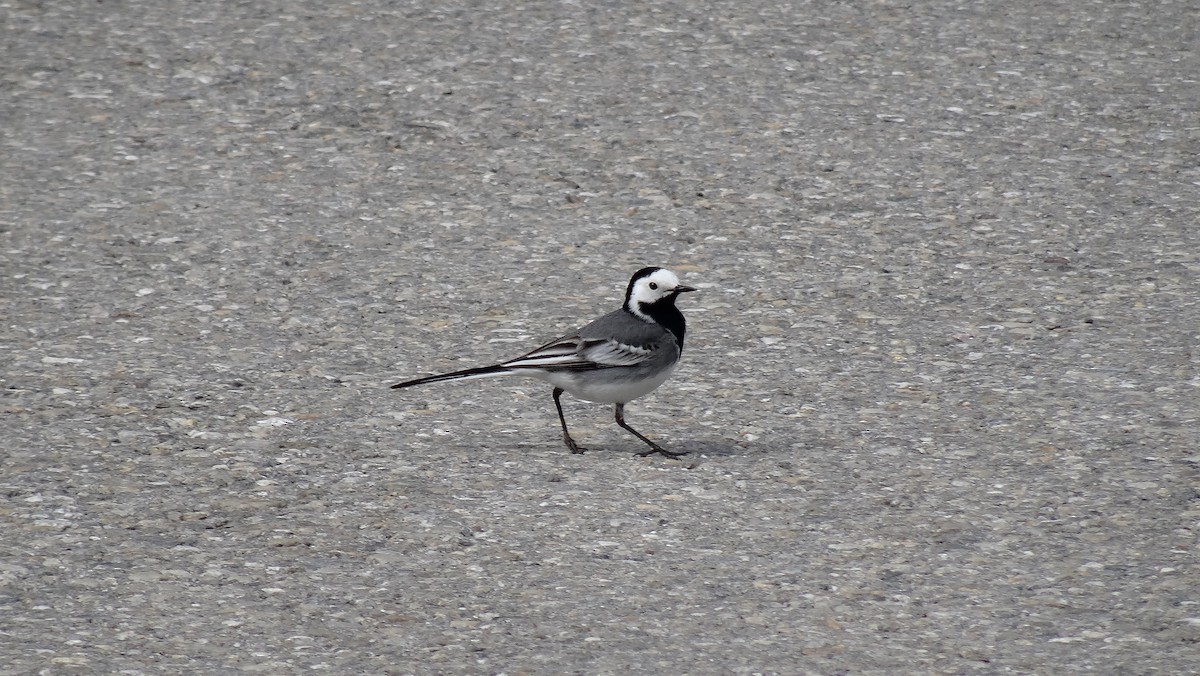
pixel 940 389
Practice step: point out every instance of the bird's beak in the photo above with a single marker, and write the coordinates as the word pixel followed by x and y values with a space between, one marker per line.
pixel 684 289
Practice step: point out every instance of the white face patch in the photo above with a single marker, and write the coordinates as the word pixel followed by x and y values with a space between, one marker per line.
pixel 659 284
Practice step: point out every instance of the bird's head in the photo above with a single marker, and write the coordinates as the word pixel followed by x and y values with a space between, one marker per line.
pixel 651 286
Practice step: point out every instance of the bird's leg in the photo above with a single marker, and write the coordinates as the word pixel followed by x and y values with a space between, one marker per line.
pixel 654 448
pixel 575 448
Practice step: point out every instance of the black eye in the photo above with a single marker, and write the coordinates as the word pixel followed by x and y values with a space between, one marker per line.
pixel 653 286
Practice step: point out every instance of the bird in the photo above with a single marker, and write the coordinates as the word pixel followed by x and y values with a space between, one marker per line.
pixel 614 359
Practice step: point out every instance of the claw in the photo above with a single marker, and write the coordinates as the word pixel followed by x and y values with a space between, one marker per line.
pixel 662 451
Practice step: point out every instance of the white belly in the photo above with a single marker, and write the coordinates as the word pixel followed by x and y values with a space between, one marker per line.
pixel 602 387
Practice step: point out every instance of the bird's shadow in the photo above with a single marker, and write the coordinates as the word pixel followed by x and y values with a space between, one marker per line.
pixel 709 446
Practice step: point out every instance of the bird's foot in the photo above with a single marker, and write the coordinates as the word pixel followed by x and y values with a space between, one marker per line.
pixel 574 447
pixel 655 448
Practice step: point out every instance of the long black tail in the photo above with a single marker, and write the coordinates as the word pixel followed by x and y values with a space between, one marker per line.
pixel 478 372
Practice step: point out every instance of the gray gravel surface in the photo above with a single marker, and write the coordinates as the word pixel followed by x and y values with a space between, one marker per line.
pixel 940 390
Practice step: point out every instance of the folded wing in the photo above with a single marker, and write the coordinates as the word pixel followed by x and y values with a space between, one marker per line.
pixel 610 352
pixel 572 352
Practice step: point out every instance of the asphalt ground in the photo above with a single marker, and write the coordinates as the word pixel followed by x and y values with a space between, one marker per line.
pixel 939 392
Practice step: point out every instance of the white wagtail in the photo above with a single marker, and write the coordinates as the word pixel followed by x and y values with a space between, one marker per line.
pixel 613 360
